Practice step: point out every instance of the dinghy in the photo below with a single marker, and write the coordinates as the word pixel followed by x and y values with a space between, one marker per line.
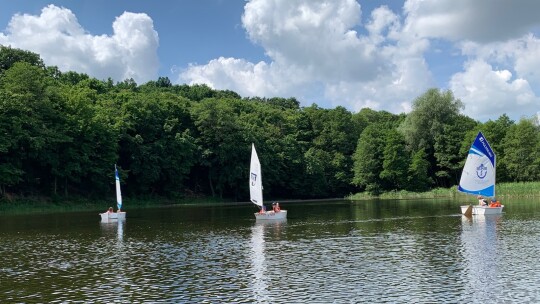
pixel 110 215
pixel 255 191
pixel 478 177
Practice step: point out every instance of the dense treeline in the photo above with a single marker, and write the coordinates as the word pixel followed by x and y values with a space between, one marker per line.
pixel 62 133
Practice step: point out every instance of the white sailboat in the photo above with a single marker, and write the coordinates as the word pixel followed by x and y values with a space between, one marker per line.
pixel 478 176
pixel 255 191
pixel 119 214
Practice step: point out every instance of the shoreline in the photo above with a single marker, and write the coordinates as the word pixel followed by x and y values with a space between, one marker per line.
pixel 44 205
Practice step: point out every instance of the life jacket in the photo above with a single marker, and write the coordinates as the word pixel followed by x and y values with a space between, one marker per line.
pixel 495 204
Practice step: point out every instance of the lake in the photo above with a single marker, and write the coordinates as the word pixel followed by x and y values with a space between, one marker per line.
pixel 395 251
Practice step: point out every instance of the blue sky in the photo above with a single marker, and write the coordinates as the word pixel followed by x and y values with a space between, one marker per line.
pixel 356 54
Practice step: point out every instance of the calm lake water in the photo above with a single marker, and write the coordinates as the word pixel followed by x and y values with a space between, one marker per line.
pixel 409 251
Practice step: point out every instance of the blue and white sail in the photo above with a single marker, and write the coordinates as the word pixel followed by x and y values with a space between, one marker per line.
pixel 255 179
pixel 118 192
pixel 478 176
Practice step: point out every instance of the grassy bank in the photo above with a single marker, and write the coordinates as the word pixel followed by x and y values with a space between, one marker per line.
pixel 24 205
pixel 504 190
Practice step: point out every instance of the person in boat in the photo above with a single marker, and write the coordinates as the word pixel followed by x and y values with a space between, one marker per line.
pixel 276 207
pixel 494 203
pixel 482 201
pixel 263 210
pixel 110 210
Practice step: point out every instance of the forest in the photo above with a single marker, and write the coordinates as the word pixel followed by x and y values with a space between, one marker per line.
pixel 61 133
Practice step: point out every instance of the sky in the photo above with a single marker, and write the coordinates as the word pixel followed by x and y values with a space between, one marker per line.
pixel 357 54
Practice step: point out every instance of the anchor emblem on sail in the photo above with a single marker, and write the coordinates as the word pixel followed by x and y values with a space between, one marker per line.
pixel 481 171
pixel 253 179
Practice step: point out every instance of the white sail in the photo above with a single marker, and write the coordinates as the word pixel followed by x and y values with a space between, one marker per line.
pixel 478 176
pixel 118 192
pixel 255 179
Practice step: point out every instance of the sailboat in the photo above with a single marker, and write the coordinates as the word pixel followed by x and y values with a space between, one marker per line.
pixel 478 176
pixel 255 191
pixel 110 214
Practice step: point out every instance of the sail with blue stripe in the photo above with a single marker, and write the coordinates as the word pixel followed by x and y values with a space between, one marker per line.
pixel 478 176
pixel 118 192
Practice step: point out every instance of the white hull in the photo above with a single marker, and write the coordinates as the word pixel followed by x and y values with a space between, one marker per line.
pixel 271 215
pixel 112 216
pixel 483 210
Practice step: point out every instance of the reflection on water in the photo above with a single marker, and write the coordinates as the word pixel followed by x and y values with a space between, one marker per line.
pixel 113 229
pixel 259 262
pixel 479 244
pixel 341 252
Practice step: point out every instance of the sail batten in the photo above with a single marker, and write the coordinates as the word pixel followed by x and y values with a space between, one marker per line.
pixel 255 179
pixel 478 176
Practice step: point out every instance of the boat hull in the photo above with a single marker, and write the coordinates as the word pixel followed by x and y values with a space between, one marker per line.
pixel 271 215
pixel 483 210
pixel 112 216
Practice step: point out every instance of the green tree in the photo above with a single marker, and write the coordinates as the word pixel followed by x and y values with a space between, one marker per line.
pixel 87 157
pixel 395 161
pixel 430 113
pixel 334 140
pixel 221 140
pixel 521 153
pixel 368 161
pixel 195 92
pixel 31 117
pixel 157 146
pixel 433 114
pixel 495 132
pixel 449 161
pixel 419 179
pixel 9 56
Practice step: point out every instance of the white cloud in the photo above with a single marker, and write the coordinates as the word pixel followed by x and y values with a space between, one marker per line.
pixel 243 77
pixel 478 20
pixel 316 36
pixel 527 61
pixel 500 77
pixel 314 45
pixel 488 93
pixel 57 36
pixel 328 52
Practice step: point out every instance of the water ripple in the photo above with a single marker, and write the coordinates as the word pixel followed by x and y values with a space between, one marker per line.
pixel 393 259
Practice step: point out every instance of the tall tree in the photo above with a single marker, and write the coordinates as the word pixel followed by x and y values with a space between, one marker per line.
pixel 221 140
pixel 35 122
pixel 419 179
pixel 395 161
pixel 447 150
pixel 334 140
pixel 521 153
pixel 368 161
pixel 157 147
pixel 495 132
pixel 9 56
pixel 427 122
pixel 430 113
